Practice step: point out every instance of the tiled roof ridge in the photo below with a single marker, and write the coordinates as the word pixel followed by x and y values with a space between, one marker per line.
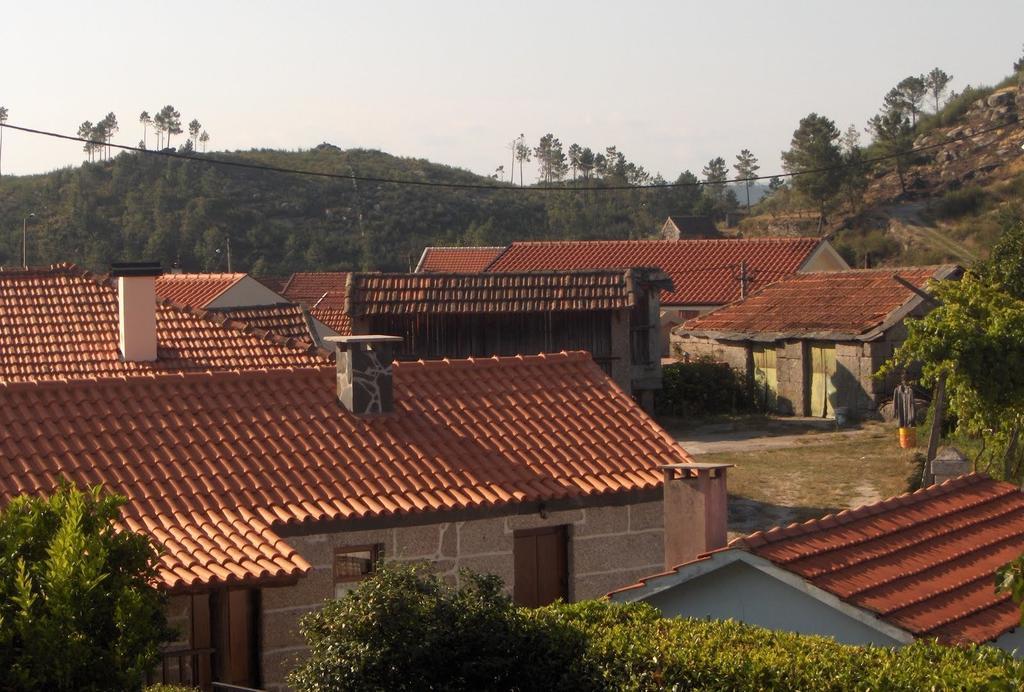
pixel 847 516
pixel 661 241
pixel 493 361
pixel 479 276
pixel 465 247
pixel 191 276
pixel 183 376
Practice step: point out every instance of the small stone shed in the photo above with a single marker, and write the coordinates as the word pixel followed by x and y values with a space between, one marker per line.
pixel 813 342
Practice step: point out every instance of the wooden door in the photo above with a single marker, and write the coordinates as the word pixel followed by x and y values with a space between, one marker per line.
pixel 541 566
pixel 822 394
pixel 233 630
pixel 766 375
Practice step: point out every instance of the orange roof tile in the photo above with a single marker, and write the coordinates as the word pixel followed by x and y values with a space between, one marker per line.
pixel 309 288
pixel 457 260
pixel 285 319
pixel 62 323
pixel 334 317
pixel 851 303
pixel 388 294
pixel 703 272
pixel 924 562
pixel 212 464
pixel 194 290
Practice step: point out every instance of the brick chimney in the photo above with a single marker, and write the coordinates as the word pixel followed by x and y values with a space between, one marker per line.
pixel 136 309
pixel 364 372
pixel 695 506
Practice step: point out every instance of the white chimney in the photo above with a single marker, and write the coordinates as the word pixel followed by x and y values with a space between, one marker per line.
pixel 136 309
pixel 696 511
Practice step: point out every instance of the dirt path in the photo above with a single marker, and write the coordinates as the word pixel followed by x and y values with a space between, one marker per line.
pixel 760 436
pixel 906 220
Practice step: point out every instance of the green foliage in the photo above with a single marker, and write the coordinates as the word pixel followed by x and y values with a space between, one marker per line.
pixel 815 147
pixel 704 387
pixel 404 629
pixel 407 629
pixel 1005 265
pixel 78 610
pixel 182 213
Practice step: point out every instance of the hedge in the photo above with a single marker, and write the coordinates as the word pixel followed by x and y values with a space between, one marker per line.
pixel 406 629
pixel 704 387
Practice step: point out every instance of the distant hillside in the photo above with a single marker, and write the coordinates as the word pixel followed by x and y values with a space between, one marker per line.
pixel 960 189
pixel 185 213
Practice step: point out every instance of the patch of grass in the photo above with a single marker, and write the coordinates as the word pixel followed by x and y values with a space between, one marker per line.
pixel 821 473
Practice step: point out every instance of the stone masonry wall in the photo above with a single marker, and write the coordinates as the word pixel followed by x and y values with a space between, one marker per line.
pixel 608 547
pixel 735 353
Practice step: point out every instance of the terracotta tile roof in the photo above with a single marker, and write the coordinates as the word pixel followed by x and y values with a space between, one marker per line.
pixel 851 303
pixel 286 319
pixel 457 260
pixel 194 290
pixel 334 317
pixel 323 294
pixel 703 272
pixel 924 562
pixel 390 294
pixel 62 323
pixel 212 464
pixel 308 288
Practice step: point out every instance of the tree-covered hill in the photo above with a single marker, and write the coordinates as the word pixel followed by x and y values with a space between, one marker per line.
pixel 185 213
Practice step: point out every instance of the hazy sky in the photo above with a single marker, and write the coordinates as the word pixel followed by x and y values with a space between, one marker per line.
pixel 672 84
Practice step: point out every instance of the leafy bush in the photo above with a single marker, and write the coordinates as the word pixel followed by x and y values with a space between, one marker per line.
pixel 636 649
pixel 78 609
pixel 704 387
pixel 405 629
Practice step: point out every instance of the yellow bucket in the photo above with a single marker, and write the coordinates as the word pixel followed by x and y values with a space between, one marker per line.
pixel 908 438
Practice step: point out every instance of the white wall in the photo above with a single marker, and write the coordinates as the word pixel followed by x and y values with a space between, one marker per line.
pixel 246 292
pixel 744 593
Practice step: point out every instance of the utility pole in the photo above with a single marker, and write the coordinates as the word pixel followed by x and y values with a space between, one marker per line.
pixel 743 279
pixel 229 254
pixel 24 239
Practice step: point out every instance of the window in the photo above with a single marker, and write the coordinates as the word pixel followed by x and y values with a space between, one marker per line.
pixel 353 564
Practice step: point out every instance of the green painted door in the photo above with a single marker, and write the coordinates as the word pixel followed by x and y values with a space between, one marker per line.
pixel 822 392
pixel 766 375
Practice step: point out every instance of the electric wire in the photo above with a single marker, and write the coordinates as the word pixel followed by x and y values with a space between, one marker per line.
pixel 492 188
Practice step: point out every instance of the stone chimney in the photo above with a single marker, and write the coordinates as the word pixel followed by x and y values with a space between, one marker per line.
pixel 364 372
pixel 949 463
pixel 136 309
pixel 695 507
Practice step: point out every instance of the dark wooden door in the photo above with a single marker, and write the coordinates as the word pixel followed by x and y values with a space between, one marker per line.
pixel 233 635
pixel 541 566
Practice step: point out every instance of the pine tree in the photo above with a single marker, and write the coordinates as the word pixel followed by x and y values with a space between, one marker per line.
pixel 203 139
pixel 146 122
pixel 814 153
pixel 746 167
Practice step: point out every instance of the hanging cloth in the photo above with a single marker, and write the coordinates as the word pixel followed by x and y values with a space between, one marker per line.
pixel 903 403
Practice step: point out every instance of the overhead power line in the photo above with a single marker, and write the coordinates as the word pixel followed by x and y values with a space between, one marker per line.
pixel 480 186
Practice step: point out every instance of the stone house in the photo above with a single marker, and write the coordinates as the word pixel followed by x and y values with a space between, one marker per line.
pixel 705 273
pixel 813 342
pixel 917 566
pixel 612 314
pixel 273 478
pixel 689 227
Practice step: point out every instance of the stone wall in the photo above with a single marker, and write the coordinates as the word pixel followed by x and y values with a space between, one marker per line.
pixel 179 619
pixel 735 353
pixel 608 547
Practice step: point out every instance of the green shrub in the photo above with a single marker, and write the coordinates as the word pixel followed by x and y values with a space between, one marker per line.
pixel 704 387
pixel 957 203
pixel 78 609
pixel 407 629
